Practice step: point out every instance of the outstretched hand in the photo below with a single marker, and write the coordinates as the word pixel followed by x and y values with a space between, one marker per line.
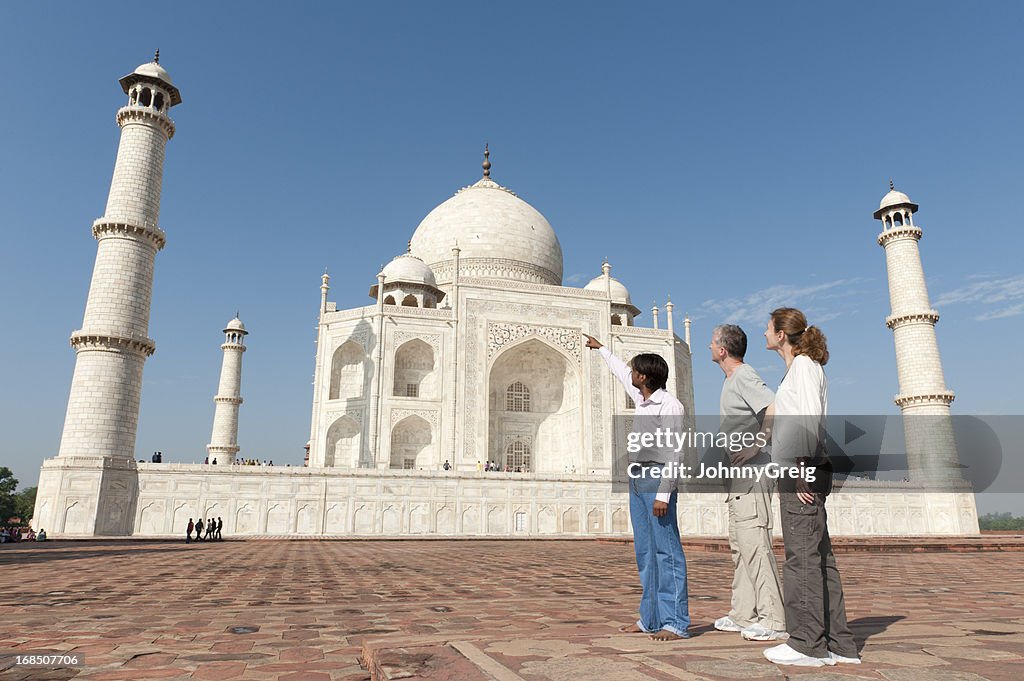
pixel 592 342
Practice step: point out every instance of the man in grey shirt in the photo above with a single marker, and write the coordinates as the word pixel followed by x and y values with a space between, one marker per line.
pixel 757 609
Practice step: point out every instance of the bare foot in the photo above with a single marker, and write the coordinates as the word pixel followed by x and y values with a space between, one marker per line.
pixel 666 635
pixel 630 629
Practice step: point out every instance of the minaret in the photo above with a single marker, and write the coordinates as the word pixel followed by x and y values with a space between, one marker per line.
pixel 923 397
pixel 686 330
pixel 113 344
pixel 325 287
pixel 224 442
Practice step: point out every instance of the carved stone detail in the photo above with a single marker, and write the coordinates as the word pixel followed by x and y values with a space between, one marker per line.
pixel 359 335
pixel 431 339
pixel 354 413
pixel 428 415
pixel 500 334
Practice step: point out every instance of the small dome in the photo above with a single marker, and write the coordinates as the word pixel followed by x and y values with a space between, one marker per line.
pixel 152 72
pixel 620 293
pixel 235 325
pixel 408 269
pixel 894 198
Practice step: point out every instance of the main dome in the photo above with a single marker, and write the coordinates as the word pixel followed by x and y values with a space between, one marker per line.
pixel 498 234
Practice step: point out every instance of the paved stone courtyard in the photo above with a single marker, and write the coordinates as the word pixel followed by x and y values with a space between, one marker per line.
pixel 468 610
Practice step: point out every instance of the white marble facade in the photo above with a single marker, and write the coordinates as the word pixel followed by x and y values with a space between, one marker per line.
pixel 159 499
pixel 471 352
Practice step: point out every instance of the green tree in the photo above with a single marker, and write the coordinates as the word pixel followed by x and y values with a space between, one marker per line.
pixel 25 504
pixel 8 483
pixel 1000 521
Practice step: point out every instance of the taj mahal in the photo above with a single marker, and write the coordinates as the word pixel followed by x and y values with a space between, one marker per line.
pixel 470 357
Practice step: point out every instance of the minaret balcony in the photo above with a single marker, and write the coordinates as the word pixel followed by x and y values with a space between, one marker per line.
pixel 898 233
pixel 92 340
pixel 895 321
pixel 944 397
pixel 145 114
pixel 104 227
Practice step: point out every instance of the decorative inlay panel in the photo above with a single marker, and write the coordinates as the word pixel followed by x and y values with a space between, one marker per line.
pixel 500 334
pixel 431 339
pixel 428 415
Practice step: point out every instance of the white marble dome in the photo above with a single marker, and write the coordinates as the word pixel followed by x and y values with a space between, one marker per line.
pixel 620 293
pixel 408 269
pixel 152 72
pixel 235 325
pixel 894 198
pixel 499 236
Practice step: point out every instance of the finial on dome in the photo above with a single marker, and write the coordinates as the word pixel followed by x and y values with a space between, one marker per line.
pixel 236 314
pixel 408 246
pixel 487 160
pixel 892 187
pixel 156 57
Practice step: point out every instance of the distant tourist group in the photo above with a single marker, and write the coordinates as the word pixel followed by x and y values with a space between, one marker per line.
pixel 805 612
pixel 212 528
pixel 9 535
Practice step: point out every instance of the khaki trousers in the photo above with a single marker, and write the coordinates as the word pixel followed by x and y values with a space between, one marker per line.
pixel 756 589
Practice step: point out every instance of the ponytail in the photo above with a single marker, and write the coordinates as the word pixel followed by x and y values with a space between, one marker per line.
pixel 806 340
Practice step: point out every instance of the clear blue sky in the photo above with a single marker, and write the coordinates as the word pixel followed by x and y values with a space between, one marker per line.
pixel 728 155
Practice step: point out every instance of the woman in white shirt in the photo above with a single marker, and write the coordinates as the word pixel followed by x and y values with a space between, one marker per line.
pixel 813 593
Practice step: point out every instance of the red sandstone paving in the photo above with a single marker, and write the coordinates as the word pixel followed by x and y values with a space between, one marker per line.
pixel 462 610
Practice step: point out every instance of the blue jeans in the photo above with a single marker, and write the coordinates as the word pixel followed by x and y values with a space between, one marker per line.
pixel 662 565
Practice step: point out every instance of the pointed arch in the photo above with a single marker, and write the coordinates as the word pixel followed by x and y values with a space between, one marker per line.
pixel 411 443
pixel 549 421
pixel 415 370
pixel 347 369
pixel 343 440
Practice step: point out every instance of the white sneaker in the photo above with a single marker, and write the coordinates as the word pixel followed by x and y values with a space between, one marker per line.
pixel 843 660
pixel 726 624
pixel 759 632
pixel 783 654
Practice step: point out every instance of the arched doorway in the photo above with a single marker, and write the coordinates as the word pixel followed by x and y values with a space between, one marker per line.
pixel 411 440
pixel 343 443
pixel 414 370
pixel 534 409
pixel 347 371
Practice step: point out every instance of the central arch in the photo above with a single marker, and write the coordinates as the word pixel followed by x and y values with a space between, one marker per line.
pixel 534 409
